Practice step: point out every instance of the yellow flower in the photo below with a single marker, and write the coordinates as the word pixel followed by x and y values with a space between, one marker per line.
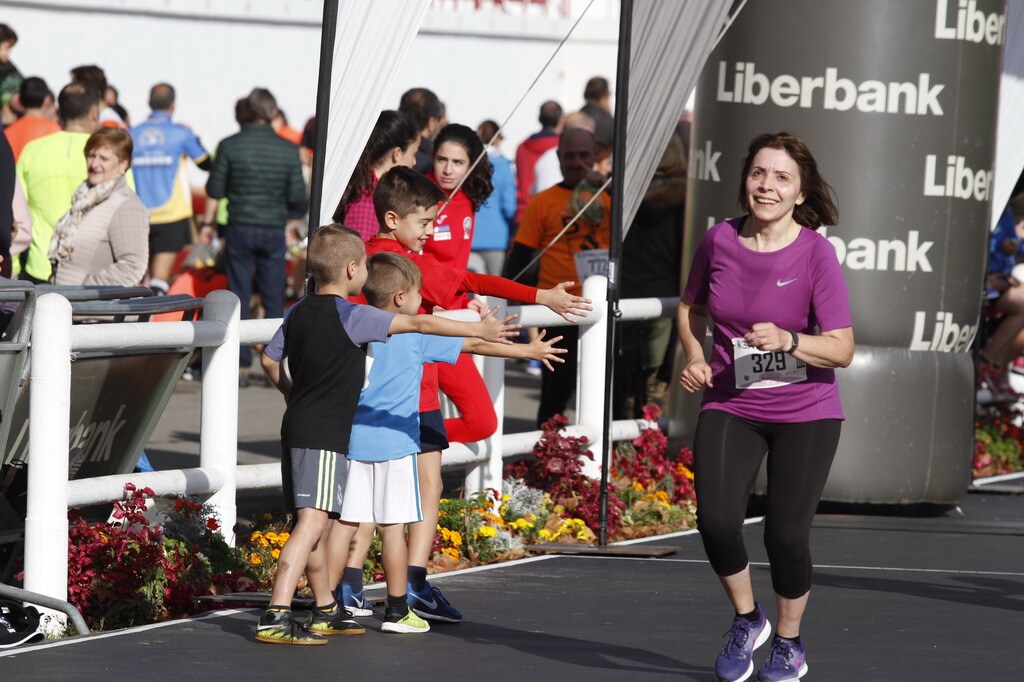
pixel 506 497
pixel 452 537
pixel 661 496
pixel 255 559
pixel 583 535
pixel 451 553
pixel 487 532
pixel 520 524
pixel 276 553
pixel 637 486
pixel 545 534
pixel 284 537
pixel 689 474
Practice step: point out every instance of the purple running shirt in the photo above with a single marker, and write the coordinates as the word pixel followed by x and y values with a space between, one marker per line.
pixel 799 287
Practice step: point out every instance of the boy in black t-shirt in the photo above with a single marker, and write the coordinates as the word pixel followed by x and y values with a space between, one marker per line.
pixel 325 339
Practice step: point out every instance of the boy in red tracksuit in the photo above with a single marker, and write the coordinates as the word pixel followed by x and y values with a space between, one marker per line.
pixel 406 204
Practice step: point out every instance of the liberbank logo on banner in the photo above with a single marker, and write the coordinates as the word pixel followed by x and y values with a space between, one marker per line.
pixel 970 24
pixel 96 438
pixel 943 335
pixel 896 255
pixel 958 181
pixel 829 92
pixel 705 163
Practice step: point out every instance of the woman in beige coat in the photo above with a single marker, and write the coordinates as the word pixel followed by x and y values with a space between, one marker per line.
pixel 104 238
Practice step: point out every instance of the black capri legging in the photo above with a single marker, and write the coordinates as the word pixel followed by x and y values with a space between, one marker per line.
pixel 728 451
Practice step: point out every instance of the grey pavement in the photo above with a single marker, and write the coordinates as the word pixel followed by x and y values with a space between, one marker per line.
pixel 894 598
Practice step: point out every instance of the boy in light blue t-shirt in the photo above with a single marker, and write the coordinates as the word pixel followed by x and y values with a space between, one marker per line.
pixel 382 485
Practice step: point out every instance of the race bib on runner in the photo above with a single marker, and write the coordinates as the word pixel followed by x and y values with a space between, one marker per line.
pixel 591 262
pixel 765 369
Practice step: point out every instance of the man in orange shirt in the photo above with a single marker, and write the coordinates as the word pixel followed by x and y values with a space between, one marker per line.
pixel 580 252
pixel 40 116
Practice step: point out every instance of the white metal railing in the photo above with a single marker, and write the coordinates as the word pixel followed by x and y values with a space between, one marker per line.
pixel 219 334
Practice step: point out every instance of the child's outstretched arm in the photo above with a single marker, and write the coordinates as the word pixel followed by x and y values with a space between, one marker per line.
pixel 489 328
pixel 275 372
pixel 556 298
pixel 564 303
pixel 539 349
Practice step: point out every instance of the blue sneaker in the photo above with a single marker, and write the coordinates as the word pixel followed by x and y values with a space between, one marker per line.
pixel 786 661
pixel 356 602
pixel 432 605
pixel 736 662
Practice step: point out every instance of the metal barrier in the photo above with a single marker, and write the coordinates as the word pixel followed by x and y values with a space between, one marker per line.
pixel 219 334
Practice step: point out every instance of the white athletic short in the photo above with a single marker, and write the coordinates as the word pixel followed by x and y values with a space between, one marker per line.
pixel 382 492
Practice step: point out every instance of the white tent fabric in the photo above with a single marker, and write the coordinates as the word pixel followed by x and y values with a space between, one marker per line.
pixel 1009 131
pixel 671 41
pixel 362 72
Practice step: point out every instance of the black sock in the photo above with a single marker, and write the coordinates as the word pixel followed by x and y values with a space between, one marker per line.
pixel 353 577
pixel 398 605
pixel 795 640
pixel 330 608
pixel 417 578
pixel 753 616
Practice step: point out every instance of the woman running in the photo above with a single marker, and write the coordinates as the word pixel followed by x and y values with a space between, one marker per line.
pixel 774 293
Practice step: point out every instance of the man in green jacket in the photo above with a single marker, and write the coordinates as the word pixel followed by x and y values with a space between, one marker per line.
pixel 50 169
pixel 260 175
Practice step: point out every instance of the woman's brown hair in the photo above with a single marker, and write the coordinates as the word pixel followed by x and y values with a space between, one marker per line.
pixel 114 139
pixel 819 206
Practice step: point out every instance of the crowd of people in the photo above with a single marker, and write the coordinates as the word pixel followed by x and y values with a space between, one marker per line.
pixel 91 207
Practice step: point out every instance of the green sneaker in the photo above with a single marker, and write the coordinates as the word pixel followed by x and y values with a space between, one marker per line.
pixel 278 627
pixel 407 624
pixel 336 621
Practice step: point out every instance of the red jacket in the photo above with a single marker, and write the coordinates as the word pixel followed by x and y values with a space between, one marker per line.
pixel 526 158
pixel 453 231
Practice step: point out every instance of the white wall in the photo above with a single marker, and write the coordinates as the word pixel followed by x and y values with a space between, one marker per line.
pixel 214 51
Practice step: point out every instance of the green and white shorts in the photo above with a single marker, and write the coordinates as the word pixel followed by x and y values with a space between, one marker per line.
pixel 314 479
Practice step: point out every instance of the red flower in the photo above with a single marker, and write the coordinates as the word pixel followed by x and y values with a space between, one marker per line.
pixel 212 523
pixel 652 412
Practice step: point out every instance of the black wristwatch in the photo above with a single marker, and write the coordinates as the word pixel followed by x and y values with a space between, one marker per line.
pixel 796 342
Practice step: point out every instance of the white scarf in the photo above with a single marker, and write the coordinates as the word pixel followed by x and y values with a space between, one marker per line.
pixel 62 244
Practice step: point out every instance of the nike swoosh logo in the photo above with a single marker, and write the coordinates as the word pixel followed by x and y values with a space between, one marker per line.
pixel 432 604
pixel 780 283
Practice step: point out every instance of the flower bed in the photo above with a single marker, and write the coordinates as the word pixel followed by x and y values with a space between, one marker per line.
pixel 998 445
pixel 131 572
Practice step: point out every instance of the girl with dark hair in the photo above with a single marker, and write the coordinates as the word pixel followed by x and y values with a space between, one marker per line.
pixel 456 148
pixel 393 142
pixel 774 293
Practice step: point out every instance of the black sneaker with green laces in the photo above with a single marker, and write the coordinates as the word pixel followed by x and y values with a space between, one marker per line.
pixel 278 627
pixel 334 620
